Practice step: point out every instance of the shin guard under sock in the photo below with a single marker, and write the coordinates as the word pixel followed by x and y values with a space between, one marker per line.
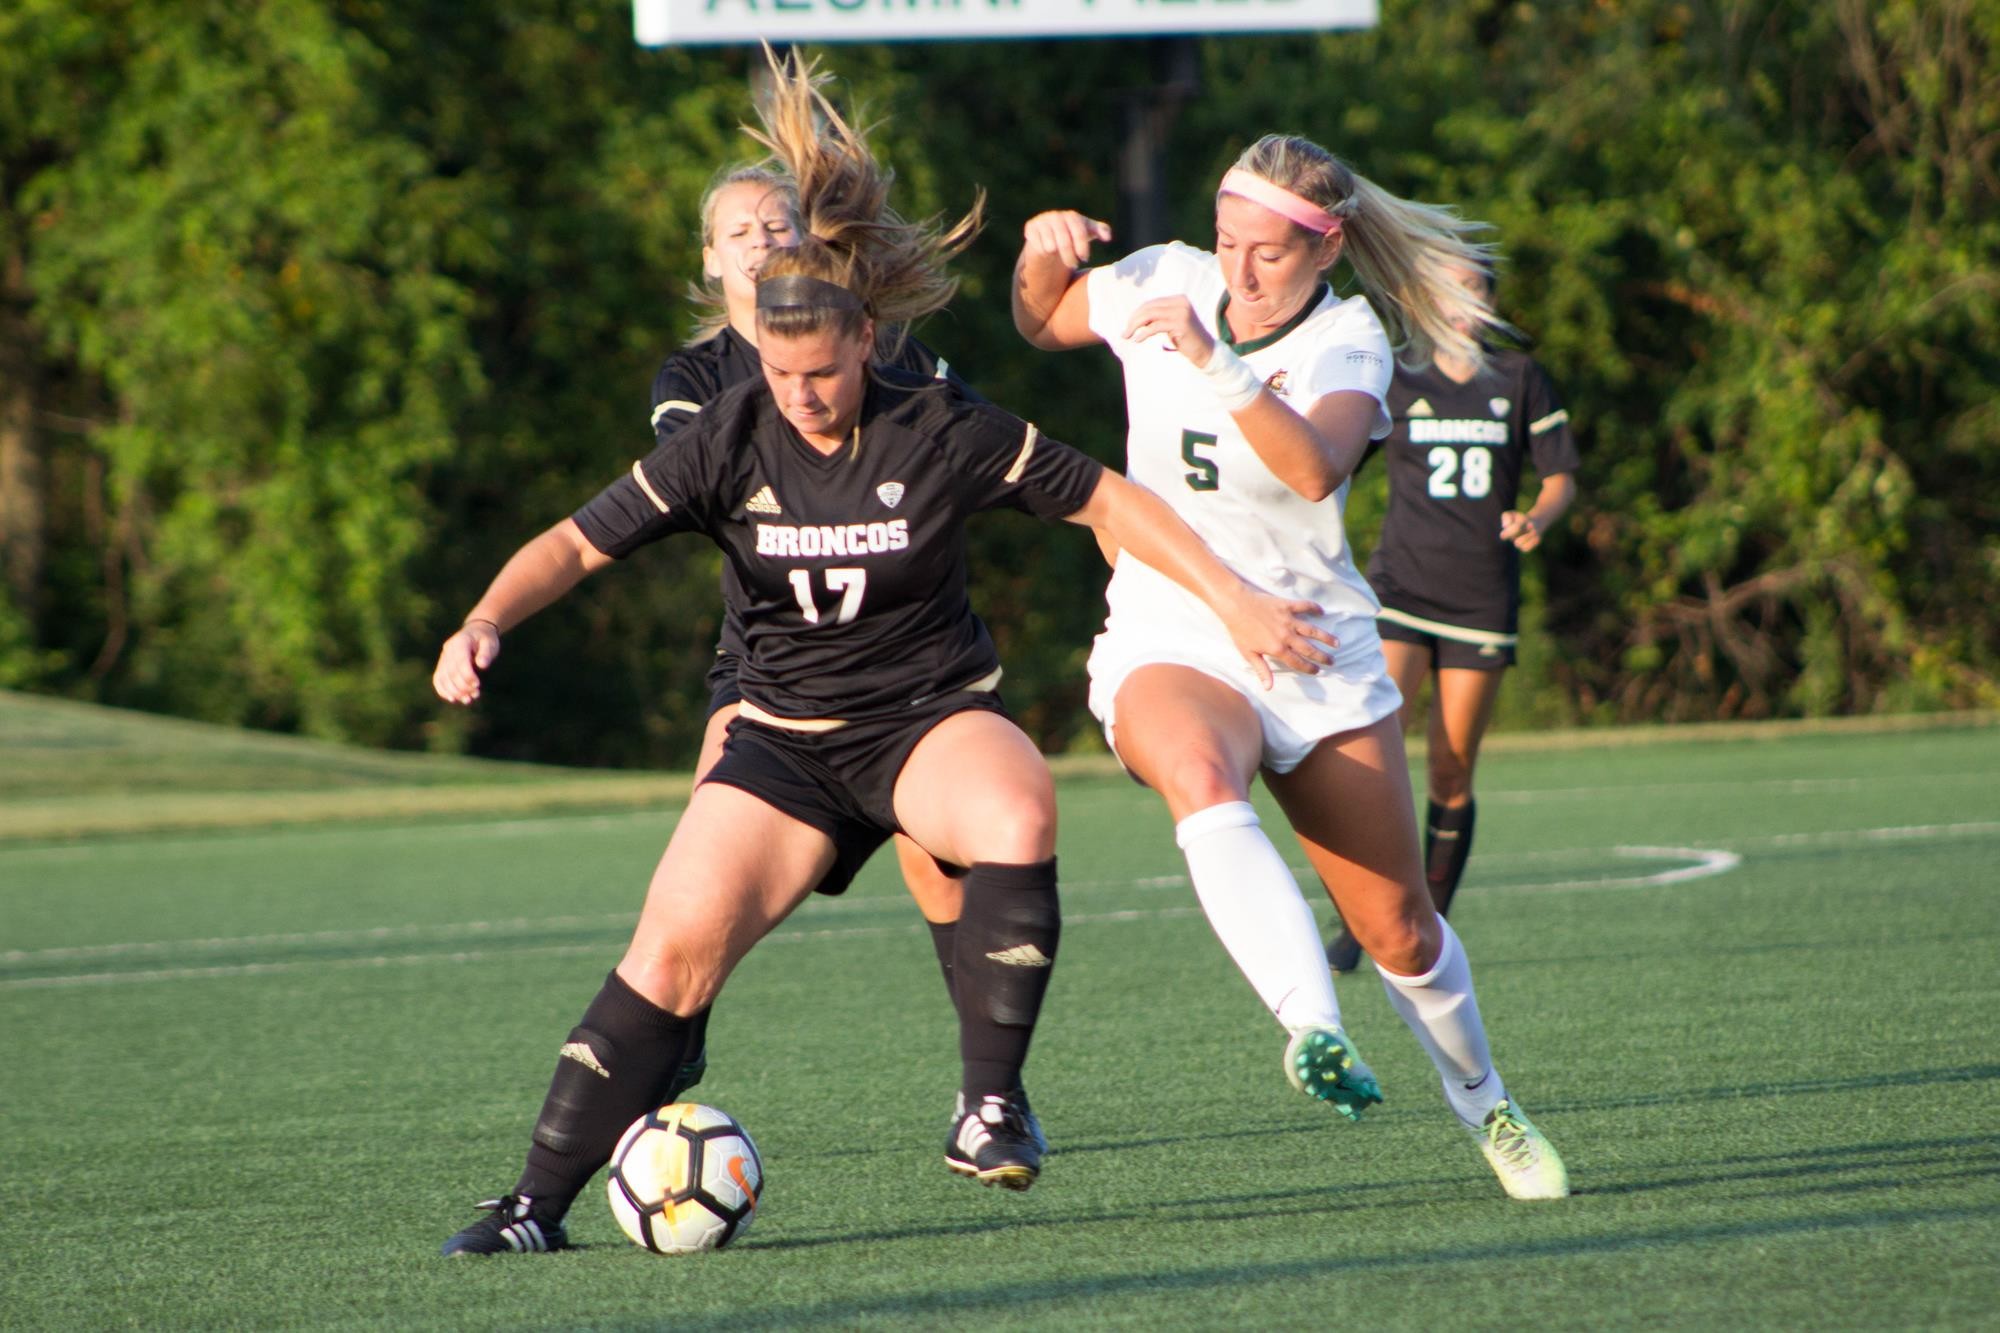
pixel 944 940
pixel 1447 842
pixel 1253 904
pixel 1004 951
pixel 1442 1012
pixel 616 1065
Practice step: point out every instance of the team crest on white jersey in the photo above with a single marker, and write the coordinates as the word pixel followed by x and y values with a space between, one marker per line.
pixel 890 493
pixel 1499 405
pixel 763 502
pixel 1422 408
pixel 1276 384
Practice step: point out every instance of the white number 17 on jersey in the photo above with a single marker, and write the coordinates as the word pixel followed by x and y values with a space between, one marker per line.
pixel 849 583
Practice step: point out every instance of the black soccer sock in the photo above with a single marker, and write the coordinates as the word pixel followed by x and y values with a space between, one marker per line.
pixel 694 1061
pixel 944 940
pixel 1447 842
pixel 616 1065
pixel 1004 952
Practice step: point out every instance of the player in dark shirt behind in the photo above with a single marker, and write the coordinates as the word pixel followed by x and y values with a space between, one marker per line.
pixel 748 212
pixel 1448 566
pixel 838 491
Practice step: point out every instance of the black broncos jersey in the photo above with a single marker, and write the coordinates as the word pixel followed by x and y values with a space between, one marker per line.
pixel 851 566
pixel 1455 457
pixel 701 371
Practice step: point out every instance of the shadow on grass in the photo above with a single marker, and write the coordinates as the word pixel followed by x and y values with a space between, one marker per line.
pixel 1908 1163
pixel 1206 1210
pixel 1514 1251
pixel 1907 1078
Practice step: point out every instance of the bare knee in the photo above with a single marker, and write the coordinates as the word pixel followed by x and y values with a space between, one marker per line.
pixel 671 977
pixel 1450 775
pixel 1017 828
pixel 1405 942
pixel 1197 781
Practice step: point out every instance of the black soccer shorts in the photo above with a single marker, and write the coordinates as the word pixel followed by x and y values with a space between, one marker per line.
pixel 841 782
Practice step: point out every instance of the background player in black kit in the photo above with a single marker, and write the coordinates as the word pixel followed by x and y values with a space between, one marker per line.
pixel 747 212
pixel 1448 566
pixel 838 491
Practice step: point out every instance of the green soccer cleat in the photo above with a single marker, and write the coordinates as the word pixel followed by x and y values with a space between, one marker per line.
pixel 1526 1162
pixel 1322 1063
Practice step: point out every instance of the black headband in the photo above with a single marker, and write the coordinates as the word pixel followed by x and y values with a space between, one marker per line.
pixel 796 291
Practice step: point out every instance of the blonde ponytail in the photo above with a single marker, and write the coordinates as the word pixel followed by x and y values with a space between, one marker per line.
pixel 850 236
pixel 1406 254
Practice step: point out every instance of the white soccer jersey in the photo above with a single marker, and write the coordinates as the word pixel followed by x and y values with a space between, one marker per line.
pixel 1184 447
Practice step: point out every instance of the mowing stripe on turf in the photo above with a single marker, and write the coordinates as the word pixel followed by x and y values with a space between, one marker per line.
pixel 1702 863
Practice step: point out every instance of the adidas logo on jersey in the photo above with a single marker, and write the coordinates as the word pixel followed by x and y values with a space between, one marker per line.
pixel 1422 408
pixel 1021 955
pixel 763 502
pixel 581 1053
pixel 890 493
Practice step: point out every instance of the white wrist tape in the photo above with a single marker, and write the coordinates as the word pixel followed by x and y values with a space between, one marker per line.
pixel 1231 378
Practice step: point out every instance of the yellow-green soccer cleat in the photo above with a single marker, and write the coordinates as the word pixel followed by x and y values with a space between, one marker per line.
pixel 1322 1063
pixel 1528 1165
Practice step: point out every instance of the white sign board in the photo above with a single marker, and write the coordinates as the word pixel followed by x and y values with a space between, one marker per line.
pixel 708 22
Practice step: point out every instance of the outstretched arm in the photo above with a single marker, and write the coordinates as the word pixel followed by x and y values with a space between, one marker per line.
pixel 534 577
pixel 1051 298
pixel 1262 626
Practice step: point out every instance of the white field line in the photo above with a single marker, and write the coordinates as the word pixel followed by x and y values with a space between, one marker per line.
pixel 1706 861
pixel 1703 863
pixel 780 936
pixel 150 846
pixel 1780 786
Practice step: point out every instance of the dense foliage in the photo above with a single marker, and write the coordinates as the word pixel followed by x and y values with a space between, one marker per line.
pixel 310 311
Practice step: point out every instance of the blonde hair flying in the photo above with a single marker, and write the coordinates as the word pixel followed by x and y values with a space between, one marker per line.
pixel 1406 254
pixel 849 235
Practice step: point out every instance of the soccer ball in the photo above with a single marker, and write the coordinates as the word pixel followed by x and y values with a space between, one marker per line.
pixel 684 1178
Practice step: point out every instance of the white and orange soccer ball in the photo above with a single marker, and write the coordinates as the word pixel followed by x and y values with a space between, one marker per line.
pixel 685 1178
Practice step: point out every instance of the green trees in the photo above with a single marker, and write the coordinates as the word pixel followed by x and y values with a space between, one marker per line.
pixel 1758 245
pixel 312 310
pixel 237 267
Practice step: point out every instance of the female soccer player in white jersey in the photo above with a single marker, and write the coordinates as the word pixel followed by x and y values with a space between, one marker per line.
pixel 1252 392
pixel 1448 565
pixel 838 490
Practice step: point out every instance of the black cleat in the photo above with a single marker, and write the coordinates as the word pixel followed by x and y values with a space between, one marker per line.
pixel 1019 1096
pixel 513 1227
pixel 996 1143
pixel 1343 952
pixel 691 1072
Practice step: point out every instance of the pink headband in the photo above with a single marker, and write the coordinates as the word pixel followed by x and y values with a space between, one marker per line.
pixel 1280 201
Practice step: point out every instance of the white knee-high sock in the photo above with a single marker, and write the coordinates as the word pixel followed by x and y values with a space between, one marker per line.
pixel 1255 907
pixel 1442 1011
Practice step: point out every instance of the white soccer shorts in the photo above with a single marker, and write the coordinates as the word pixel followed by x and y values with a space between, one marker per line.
pixel 1296 713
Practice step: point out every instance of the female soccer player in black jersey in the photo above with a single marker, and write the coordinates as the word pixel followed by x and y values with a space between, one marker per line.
pixel 747 212
pixel 1448 565
pixel 837 490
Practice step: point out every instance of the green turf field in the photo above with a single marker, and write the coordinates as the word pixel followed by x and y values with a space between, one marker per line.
pixel 254 1076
